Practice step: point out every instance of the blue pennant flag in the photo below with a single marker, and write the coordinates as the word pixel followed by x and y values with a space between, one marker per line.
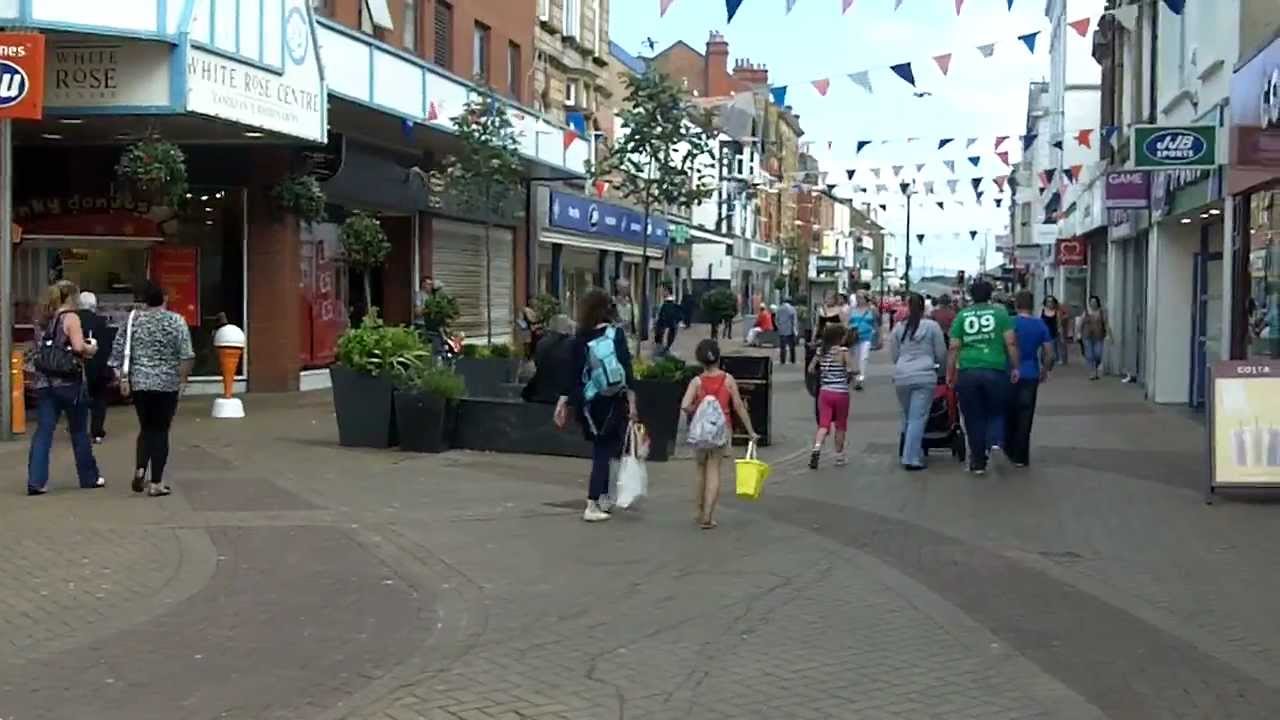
pixel 1057 144
pixel 1176 6
pixel 976 182
pixel 578 122
pixel 975 160
pixel 1028 140
pixel 1010 5
pixel 944 142
pixel 779 95
pixel 732 6
pixel 851 173
pixel 973 234
pixel 1109 134
pixel 903 71
pixel 1030 40
pixel 862 144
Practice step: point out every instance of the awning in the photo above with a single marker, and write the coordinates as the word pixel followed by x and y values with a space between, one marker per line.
pixel 595 243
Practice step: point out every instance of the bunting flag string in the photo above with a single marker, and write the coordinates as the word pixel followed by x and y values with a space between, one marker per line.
pixel 987 50
pixel 876 172
pixel 953 184
pixel 975 160
pixel 920 167
pixel 1004 157
pixel 1057 144
pixel 1081 26
pixel 1084 138
pixel 944 142
pixel 903 70
pixel 970 143
pixel 862 144
pixel 973 235
pixel 822 85
pixel 731 7
pixel 1000 180
pixel 862 79
pixel 897 170
pixel 851 173
pixel 943 61
pixel 951 166
pixel 1029 39
pixel 928 187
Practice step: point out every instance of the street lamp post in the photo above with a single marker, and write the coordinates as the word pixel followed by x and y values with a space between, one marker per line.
pixel 908 191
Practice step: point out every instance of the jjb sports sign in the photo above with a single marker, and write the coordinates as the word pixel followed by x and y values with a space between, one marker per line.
pixel 21 76
pixel 1187 147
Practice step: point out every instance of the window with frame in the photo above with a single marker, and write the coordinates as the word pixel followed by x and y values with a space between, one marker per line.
pixel 572 20
pixel 366 19
pixel 514 70
pixel 544 10
pixel 442 53
pixel 409 33
pixel 480 52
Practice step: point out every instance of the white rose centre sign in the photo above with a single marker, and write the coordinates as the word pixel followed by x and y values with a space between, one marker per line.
pixel 243 93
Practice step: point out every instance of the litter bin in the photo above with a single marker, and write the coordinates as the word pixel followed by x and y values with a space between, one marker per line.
pixel 754 374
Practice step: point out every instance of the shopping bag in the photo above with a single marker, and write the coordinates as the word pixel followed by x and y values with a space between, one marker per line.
pixel 633 477
pixel 642 440
pixel 751 473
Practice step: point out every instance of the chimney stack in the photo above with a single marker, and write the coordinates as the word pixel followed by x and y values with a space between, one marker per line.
pixel 716 72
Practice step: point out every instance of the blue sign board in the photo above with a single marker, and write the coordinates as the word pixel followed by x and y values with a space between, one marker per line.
pixel 592 217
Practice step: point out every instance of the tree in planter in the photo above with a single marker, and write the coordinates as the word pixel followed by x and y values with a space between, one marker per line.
pixel 154 169
pixel 365 246
pixel 300 196
pixel 660 159
pixel 486 174
pixel 438 310
pixel 718 305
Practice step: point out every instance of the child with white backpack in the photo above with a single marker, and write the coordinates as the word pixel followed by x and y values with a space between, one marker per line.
pixel 706 403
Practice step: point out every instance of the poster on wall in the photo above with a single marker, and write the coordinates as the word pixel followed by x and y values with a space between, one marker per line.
pixel 176 269
pixel 1244 426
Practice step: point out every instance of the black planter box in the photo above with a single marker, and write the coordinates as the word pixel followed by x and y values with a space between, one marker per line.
pixel 515 426
pixel 364 408
pixel 754 374
pixel 425 422
pixel 485 377
pixel 658 402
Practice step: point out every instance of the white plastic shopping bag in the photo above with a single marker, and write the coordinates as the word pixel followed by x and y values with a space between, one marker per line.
pixel 633 478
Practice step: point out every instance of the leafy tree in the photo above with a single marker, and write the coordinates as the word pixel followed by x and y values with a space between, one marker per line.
pixel 365 246
pixel 661 158
pixel 486 173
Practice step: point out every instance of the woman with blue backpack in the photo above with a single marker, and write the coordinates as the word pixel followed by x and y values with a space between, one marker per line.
pixel 600 394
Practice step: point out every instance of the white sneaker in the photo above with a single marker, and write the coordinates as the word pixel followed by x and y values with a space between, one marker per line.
pixel 158 489
pixel 593 513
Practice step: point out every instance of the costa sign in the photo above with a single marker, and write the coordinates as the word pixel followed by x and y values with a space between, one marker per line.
pixel 21 76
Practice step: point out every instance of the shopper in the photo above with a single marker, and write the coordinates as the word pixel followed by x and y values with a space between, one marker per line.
pixel 763 324
pixel 61 390
pixel 1051 314
pixel 669 317
pixel 829 313
pixel 1066 333
pixel 982 361
pixel 944 313
pixel 864 321
pixel 158 364
pixel 97 374
pixel 1037 350
pixel 1093 331
pixel 833 364
pixel 716 383
pixel 788 322
pixel 601 395
pixel 918 350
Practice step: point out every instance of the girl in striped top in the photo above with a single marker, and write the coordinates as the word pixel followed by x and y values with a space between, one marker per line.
pixel 833 364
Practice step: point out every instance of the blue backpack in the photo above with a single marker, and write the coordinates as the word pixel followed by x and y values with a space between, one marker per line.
pixel 604 374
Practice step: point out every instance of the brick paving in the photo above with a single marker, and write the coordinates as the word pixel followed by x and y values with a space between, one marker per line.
pixel 290 578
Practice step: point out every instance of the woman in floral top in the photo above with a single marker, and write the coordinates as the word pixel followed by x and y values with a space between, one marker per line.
pixel 160 358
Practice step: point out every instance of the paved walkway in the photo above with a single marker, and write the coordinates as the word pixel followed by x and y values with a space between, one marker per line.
pixel 291 578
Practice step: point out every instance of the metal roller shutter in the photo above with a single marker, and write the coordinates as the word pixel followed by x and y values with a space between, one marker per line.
pixel 457 263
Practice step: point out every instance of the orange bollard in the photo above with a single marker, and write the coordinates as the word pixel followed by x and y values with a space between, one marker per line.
pixel 18 392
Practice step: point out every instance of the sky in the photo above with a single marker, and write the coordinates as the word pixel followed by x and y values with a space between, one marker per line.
pixel 979 97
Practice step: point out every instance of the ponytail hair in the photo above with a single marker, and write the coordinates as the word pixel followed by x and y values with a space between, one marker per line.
pixel 57 295
pixel 915 313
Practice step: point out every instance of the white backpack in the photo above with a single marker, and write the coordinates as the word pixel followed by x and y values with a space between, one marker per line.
pixel 708 428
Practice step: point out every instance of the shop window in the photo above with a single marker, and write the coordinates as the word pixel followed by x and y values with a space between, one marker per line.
pixel 1264 275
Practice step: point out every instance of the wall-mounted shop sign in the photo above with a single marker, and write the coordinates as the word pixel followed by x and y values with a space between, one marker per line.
pixel 1184 146
pixel 762 253
pixel 290 104
pixel 107 74
pixel 1255 121
pixel 591 217
pixel 1128 189
pixel 1073 252
pixel 21 76
pixel 1244 426
pixel 828 263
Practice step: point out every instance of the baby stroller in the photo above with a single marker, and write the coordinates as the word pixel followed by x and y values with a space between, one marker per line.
pixel 942 429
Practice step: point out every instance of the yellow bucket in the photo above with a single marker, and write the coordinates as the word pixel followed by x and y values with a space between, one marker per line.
pixel 751 473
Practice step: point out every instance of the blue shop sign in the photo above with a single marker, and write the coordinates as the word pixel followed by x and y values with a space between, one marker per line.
pixel 591 217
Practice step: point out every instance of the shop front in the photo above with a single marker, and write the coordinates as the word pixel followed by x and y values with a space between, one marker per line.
pixel 1254 184
pixel 584 243
pixel 755 267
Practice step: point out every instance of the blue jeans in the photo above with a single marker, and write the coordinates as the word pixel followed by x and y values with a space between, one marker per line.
pixel 50 403
pixel 915 401
pixel 983 399
pixel 1093 349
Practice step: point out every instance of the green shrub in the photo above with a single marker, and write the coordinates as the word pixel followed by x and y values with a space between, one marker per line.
pixel 665 369
pixel 719 304
pixel 376 348
pixel 499 350
pixel 545 307
pixel 301 196
pixel 473 351
pixel 155 169
pixel 439 309
pixel 431 378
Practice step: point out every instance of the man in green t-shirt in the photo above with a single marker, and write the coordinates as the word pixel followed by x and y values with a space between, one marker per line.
pixel 982 366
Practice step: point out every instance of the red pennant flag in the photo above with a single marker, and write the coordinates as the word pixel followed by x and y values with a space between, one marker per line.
pixel 847 4
pixel 822 85
pixel 1000 140
pixel 1044 179
pixel 1081 26
pixel 432 112
pixel 959 4
pixel 1000 180
pixel 1085 138
pixel 944 62
pixel 601 188
pixel 1004 156
pixel 569 136
pixel 1075 172
pixel 664 6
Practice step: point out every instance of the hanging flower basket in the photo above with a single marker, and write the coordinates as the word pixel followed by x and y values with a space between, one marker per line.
pixel 155 170
pixel 300 196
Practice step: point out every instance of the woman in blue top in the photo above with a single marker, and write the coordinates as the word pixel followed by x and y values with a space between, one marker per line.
pixel 865 321
pixel 1036 357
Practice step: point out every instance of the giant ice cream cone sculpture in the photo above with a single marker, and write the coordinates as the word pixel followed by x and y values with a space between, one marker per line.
pixel 229 341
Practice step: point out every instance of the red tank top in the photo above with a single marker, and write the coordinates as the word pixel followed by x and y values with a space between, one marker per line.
pixel 717 388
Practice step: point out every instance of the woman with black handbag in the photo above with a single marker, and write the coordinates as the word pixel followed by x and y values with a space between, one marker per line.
pixel 57 364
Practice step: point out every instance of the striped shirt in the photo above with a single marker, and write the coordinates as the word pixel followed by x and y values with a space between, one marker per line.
pixel 833 371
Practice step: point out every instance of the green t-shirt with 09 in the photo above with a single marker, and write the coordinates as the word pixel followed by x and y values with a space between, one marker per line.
pixel 980 330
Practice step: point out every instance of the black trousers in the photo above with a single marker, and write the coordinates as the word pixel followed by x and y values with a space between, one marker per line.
pixel 666 336
pixel 1022 411
pixel 155 411
pixel 98 390
pixel 785 343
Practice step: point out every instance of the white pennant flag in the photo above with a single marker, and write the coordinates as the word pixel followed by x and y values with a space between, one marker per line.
pixel 862 79
pixel 970 143
pixel 791 4
pixel 989 49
